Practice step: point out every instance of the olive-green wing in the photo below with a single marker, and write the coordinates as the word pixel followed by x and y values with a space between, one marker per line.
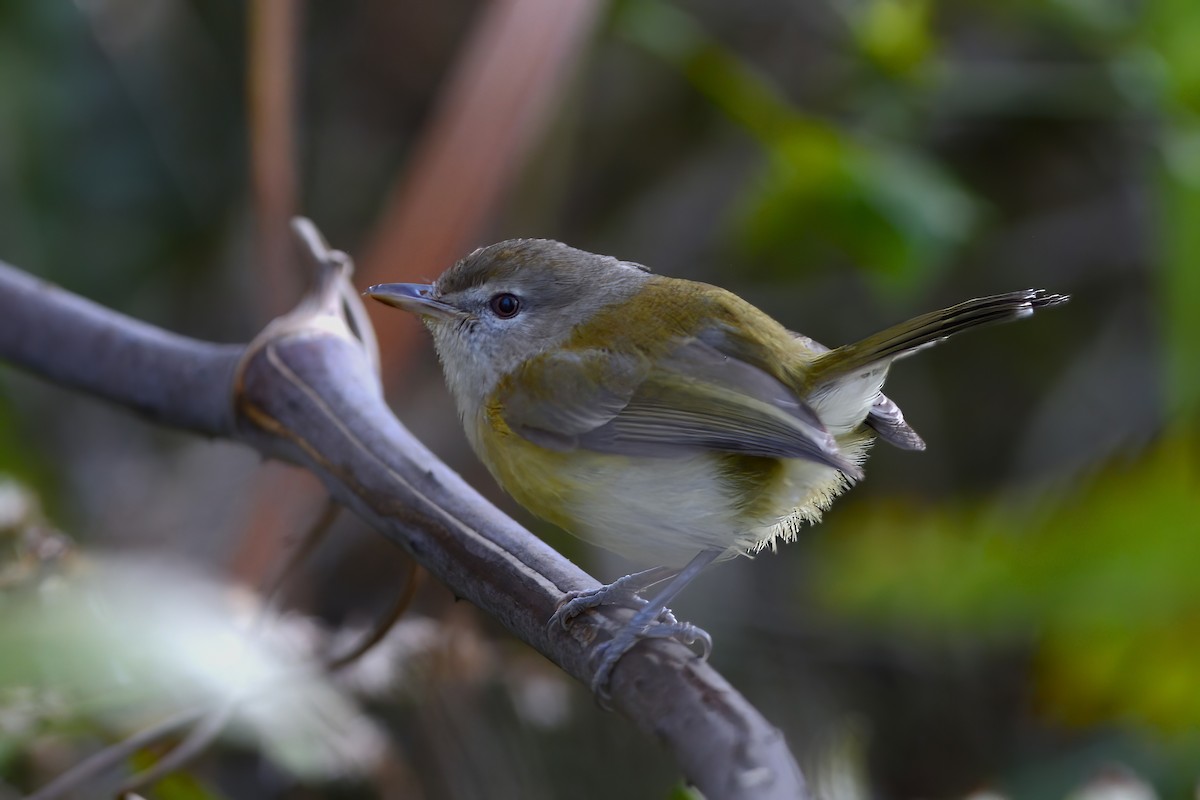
pixel 696 398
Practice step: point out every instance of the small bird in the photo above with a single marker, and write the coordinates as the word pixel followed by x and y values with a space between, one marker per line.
pixel 667 420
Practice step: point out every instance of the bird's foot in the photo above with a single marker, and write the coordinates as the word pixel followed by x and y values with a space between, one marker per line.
pixel 623 591
pixel 647 623
pixel 653 619
pixel 611 652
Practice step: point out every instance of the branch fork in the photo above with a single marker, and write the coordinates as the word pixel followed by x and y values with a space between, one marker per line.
pixel 306 390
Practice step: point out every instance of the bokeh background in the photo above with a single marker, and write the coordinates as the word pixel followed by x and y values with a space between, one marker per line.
pixel 1015 610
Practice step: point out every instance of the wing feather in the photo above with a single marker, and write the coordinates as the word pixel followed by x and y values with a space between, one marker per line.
pixel 695 398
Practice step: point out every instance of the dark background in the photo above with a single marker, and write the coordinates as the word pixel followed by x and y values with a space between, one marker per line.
pixel 1015 609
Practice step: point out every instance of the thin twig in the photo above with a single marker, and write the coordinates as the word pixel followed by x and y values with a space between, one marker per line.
pixel 299 554
pixel 271 47
pixel 80 775
pixel 195 743
pixel 385 623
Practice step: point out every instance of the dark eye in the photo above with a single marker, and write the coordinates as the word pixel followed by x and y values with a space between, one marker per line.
pixel 505 306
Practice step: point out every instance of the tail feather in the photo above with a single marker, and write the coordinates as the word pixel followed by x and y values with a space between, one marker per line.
pixel 926 330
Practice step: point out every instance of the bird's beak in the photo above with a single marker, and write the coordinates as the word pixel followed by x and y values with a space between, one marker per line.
pixel 419 298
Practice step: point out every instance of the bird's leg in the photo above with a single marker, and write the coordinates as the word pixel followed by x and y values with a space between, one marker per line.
pixel 623 591
pixel 645 625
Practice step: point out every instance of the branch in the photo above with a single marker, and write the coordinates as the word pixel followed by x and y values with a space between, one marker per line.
pixel 171 379
pixel 271 73
pixel 307 391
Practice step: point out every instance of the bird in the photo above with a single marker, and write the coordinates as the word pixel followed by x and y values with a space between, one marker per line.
pixel 667 420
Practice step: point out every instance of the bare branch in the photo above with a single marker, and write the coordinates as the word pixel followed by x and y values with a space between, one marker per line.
pixel 173 380
pixel 306 390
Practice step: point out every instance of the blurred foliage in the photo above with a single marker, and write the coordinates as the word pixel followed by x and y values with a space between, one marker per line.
pixel 837 162
pixel 19 456
pixel 180 786
pixel 1102 576
pixel 894 35
pixel 100 166
pixel 825 194
pixel 1099 578
pixel 109 646
pixel 1163 48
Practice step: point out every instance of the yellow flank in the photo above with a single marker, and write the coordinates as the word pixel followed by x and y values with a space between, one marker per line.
pixel 537 478
pixel 751 481
pixel 739 504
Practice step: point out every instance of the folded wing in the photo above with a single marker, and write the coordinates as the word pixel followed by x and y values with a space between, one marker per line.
pixel 693 399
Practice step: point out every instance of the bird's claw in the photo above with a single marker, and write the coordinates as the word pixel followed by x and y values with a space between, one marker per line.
pixel 610 653
pixel 652 620
pixel 576 603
